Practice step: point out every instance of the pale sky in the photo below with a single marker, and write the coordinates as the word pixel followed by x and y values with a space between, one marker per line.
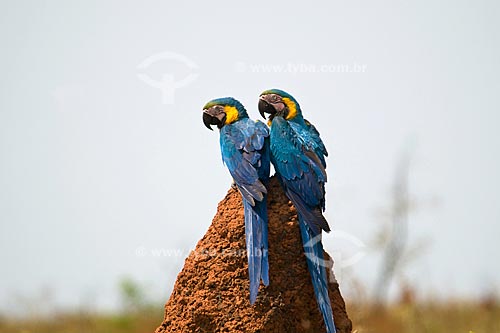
pixel 97 171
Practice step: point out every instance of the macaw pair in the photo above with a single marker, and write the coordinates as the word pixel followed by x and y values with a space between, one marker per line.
pixel 294 147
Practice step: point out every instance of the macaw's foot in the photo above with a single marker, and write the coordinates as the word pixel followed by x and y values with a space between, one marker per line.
pixel 234 186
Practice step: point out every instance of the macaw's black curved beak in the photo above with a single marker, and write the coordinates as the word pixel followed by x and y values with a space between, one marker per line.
pixel 265 107
pixel 214 116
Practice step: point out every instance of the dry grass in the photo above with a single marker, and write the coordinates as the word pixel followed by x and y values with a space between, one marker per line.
pixel 429 317
pixel 137 322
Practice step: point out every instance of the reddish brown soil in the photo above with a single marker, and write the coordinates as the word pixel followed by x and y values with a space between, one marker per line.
pixel 211 292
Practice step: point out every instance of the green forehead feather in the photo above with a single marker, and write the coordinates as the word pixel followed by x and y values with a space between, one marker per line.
pixel 223 102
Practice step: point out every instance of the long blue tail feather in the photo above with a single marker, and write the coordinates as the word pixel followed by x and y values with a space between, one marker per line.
pixel 261 210
pixel 313 249
pixel 256 234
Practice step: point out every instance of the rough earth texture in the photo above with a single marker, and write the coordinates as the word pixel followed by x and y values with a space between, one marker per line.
pixel 211 293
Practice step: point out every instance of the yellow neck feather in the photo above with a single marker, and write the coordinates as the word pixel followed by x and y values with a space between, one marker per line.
pixel 292 108
pixel 231 114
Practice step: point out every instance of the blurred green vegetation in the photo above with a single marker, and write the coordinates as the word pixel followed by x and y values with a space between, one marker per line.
pixel 138 322
pixel 137 315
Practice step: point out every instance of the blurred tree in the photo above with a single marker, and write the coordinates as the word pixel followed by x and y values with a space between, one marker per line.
pixel 132 295
pixel 398 235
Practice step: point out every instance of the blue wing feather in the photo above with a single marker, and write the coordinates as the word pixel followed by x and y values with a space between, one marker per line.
pixel 301 169
pixel 242 146
pixel 320 149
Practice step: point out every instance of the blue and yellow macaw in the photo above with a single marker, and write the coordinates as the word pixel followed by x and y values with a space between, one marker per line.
pixel 298 155
pixel 244 146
